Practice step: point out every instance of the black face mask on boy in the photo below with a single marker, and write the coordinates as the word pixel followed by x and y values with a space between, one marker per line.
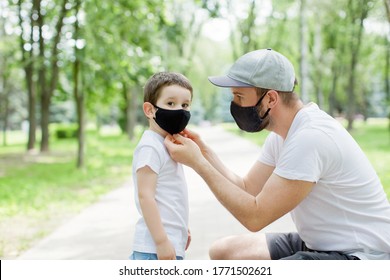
pixel 172 121
pixel 247 118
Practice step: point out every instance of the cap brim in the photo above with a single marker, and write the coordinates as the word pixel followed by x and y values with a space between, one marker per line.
pixel 225 81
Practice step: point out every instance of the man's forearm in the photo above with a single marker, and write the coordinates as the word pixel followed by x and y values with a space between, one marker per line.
pixel 214 160
pixel 238 202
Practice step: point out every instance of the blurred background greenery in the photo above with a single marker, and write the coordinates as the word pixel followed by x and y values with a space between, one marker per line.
pixel 72 72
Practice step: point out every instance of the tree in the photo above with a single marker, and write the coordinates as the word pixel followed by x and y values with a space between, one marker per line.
pixel 78 93
pixel 48 68
pixel 40 31
pixel 26 41
pixel 123 54
pixel 387 67
pixel 303 63
pixel 357 12
pixel 4 82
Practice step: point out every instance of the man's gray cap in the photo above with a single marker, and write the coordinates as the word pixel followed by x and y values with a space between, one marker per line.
pixel 264 68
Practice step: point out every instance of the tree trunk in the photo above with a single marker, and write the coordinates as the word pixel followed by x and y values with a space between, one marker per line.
pixel 5 99
pixel 45 115
pixel 387 75
pixel 317 70
pixel 332 94
pixel 49 85
pixel 78 94
pixel 355 43
pixel 133 112
pixel 80 106
pixel 387 69
pixel 303 53
pixel 130 110
pixel 45 101
pixel 32 100
pixel 28 67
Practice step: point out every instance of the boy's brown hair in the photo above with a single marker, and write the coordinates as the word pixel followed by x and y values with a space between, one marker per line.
pixel 160 80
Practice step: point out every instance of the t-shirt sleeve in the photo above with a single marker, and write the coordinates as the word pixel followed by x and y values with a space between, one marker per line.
pixel 304 157
pixel 148 156
pixel 270 150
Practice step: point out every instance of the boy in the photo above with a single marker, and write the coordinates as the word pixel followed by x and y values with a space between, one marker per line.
pixel 160 187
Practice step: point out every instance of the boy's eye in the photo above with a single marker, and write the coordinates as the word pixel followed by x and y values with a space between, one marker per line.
pixel 185 105
pixel 171 103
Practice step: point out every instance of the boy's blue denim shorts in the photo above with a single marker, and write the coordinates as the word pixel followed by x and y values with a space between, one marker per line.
pixel 147 256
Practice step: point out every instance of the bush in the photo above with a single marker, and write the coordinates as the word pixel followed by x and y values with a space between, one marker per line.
pixel 65 131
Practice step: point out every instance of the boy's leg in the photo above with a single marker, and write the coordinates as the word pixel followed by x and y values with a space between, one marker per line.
pixel 240 247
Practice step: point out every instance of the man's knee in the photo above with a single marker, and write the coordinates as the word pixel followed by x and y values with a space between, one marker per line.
pixel 240 247
pixel 220 249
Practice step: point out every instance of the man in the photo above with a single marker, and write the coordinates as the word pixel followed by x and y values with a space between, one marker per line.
pixel 310 166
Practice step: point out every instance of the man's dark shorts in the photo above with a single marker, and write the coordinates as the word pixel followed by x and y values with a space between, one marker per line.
pixel 289 246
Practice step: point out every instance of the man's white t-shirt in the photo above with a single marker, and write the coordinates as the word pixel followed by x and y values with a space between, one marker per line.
pixel 171 194
pixel 347 210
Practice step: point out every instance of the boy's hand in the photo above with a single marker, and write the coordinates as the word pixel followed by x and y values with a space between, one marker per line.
pixel 166 251
pixel 188 240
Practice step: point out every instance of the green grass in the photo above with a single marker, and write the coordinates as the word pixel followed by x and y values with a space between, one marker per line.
pixel 32 183
pixel 373 137
pixel 38 187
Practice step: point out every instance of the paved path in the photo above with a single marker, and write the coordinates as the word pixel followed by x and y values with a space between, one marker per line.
pixel 105 230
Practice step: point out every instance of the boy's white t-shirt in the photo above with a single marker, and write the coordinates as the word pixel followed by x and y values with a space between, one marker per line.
pixel 171 194
pixel 347 209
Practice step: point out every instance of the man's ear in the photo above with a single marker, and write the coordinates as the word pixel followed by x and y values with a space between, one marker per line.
pixel 273 98
pixel 148 110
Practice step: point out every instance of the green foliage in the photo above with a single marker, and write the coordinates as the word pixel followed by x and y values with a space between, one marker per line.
pixel 124 42
pixel 63 131
pixel 34 185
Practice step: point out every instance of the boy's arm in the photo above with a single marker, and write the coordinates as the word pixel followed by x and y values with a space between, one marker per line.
pixel 147 182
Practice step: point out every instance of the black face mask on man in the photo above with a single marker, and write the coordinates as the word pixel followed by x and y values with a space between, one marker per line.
pixel 247 118
pixel 172 121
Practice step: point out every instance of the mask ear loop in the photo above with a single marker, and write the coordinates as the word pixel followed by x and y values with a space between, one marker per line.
pixel 156 110
pixel 258 103
pixel 266 113
pixel 261 99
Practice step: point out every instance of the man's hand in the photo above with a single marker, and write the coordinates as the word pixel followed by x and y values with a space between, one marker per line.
pixel 183 150
pixel 192 135
pixel 196 138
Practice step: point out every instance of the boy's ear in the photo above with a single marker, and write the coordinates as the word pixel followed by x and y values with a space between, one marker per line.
pixel 148 110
